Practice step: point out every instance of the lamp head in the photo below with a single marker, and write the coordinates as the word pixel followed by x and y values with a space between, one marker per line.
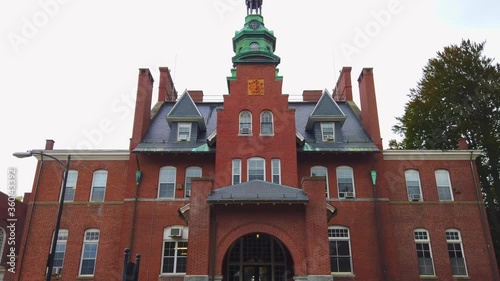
pixel 23 154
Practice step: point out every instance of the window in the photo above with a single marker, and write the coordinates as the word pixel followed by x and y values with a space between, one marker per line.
pixel 245 123
pixel 424 253
pixel 69 194
pixel 413 185
pixel 319 171
pixel 191 172
pixel 443 185
pixel 236 171
pixel 254 46
pixel 327 131
pixel 345 182
pixel 166 187
pixel 62 238
pixel 340 249
pixel 2 242
pixel 175 248
pixel 183 131
pixel 457 258
pixel 99 186
pixel 256 169
pixel 276 170
pixel 89 252
pixel 266 123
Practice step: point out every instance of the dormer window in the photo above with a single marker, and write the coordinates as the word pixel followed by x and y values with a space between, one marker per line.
pixel 245 123
pixel 183 131
pixel 327 131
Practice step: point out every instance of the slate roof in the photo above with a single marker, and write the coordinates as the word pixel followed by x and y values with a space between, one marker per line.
pixel 185 110
pixel 257 192
pixel 350 135
pixel 325 110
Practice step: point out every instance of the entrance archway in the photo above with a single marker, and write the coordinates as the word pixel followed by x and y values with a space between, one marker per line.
pixel 258 257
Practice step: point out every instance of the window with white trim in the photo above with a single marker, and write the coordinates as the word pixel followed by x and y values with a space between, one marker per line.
pixel 166 182
pixel 236 171
pixel 327 131
pixel 69 194
pixel 183 131
pixel 413 185
pixel 345 182
pixel 2 242
pixel 266 123
pixel 276 170
pixel 424 252
pixel 443 185
pixel 62 238
pixel 456 253
pixel 340 249
pixel 245 123
pixel 320 171
pixel 256 169
pixel 99 186
pixel 89 252
pixel 191 172
pixel 175 247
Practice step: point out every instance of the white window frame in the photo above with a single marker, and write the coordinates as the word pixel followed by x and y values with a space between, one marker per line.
pixel 236 171
pixel 266 118
pixel 340 233
pixel 176 240
pixel 245 121
pixel 326 135
pixel 186 128
pixel 70 185
pixel 276 170
pixel 341 172
pixel 317 171
pixel 62 240
pixel 191 172
pixel 89 242
pixel 249 165
pixel 421 236
pixel 443 177
pixel 453 236
pixel 94 179
pixel 167 179
pixel 413 176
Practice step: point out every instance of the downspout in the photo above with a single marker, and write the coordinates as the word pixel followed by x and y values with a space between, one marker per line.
pixel 213 242
pixel 25 242
pixel 379 232
pixel 138 175
pixel 483 220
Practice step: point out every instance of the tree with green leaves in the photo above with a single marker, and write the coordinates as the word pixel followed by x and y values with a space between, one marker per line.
pixel 457 97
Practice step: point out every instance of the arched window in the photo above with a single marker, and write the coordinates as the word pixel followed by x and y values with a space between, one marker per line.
pixel 345 182
pixel 320 171
pixel 175 248
pixel 340 249
pixel 256 169
pixel 443 185
pixel 99 186
pixel 191 172
pixel 89 252
pixel 245 123
pixel 456 252
pixel 266 123
pixel 424 251
pixel 166 183
pixel 254 46
pixel 412 178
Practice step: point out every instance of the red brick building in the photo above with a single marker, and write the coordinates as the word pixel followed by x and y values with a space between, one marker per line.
pixel 259 188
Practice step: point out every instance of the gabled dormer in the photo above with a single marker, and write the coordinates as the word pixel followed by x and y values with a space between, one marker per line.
pixel 185 120
pixel 326 119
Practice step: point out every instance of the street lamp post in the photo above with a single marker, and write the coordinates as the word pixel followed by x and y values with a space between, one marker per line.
pixel 50 259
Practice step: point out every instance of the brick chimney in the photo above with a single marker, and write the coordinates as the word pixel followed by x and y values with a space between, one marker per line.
pixel 166 89
pixel 197 96
pixel 369 113
pixel 49 144
pixel 311 95
pixel 142 117
pixel 462 144
pixel 343 88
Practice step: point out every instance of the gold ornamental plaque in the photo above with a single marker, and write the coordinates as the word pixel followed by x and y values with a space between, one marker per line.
pixel 256 87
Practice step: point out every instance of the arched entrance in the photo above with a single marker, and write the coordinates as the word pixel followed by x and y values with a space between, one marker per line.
pixel 258 257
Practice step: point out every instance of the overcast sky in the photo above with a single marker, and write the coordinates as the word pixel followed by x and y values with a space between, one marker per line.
pixel 66 66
